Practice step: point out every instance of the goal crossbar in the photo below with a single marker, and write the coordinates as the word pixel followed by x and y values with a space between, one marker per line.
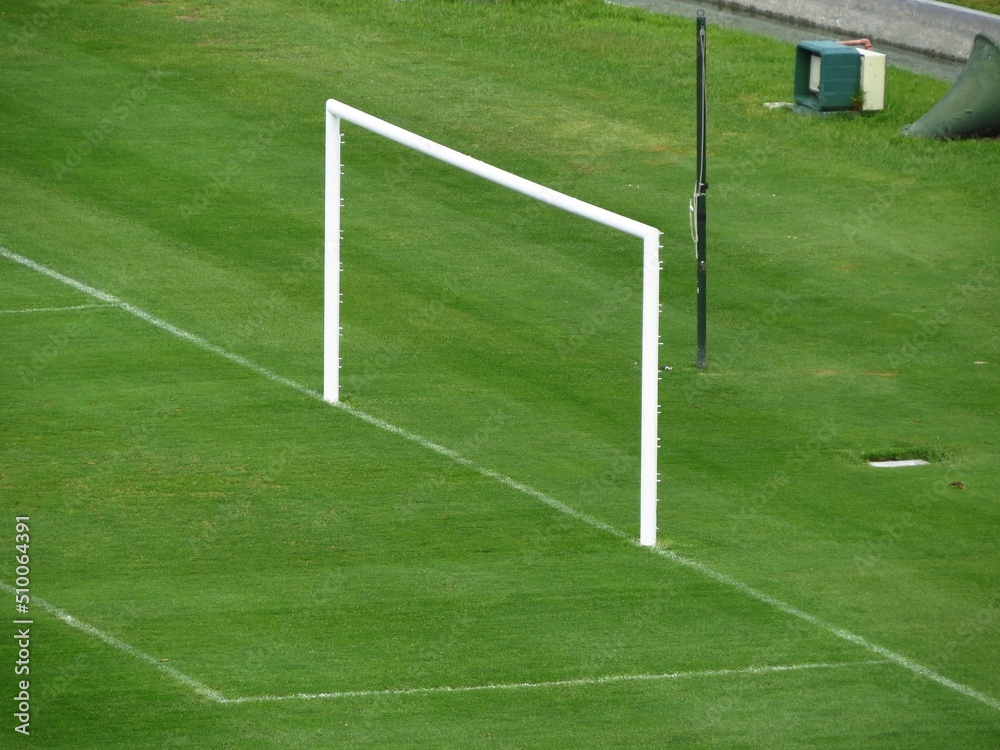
pixel 649 406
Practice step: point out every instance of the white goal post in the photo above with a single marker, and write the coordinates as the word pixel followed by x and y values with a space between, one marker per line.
pixel 337 111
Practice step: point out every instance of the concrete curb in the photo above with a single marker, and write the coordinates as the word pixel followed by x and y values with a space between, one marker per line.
pixel 921 25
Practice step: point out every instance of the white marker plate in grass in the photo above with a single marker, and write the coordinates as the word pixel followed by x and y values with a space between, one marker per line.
pixel 899 464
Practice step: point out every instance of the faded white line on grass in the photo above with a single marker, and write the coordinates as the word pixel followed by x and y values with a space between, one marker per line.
pixel 722 578
pixel 577 682
pixel 50 309
pixel 198 687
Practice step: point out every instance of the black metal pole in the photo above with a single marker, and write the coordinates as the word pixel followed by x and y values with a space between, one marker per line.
pixel 701 187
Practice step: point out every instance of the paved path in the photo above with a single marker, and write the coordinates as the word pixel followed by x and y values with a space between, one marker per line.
pixel 922 26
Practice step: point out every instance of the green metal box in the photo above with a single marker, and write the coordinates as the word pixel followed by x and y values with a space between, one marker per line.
pixel 827 76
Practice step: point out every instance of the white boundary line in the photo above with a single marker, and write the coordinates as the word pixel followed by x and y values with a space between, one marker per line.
pixel 722 578
pixel 579 682
pixel 841 633
pixel 204 691
pixel 49 309
pixel 198 687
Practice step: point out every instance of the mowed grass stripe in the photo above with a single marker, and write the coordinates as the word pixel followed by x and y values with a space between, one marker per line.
pixel 729 581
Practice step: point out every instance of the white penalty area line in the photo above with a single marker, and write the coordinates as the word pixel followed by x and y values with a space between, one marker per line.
pixel 202 690
pixel 577 682
pixel 50 309
pixel 722 578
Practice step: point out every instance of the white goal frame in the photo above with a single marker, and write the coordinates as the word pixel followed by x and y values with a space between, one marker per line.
pixel 649 440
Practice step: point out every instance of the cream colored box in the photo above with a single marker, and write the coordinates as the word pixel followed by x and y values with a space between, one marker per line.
pixel 872 81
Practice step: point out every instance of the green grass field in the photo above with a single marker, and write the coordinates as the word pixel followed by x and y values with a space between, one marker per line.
pixel 219 559
pixel 989 6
